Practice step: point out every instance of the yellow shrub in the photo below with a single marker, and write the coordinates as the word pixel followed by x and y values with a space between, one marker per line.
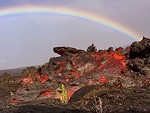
pixel 64 94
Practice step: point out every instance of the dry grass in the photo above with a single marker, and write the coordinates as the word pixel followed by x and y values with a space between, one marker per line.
pixel 98 104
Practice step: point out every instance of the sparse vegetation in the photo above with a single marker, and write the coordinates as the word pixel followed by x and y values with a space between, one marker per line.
pixel 64 94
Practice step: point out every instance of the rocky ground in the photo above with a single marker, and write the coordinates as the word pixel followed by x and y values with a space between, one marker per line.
pixel 91 81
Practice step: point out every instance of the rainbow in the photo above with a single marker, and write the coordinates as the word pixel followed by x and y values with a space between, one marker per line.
pixel 70 12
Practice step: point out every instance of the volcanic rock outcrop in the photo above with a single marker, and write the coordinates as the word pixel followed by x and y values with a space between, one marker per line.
pixel 84 74
pixel 139 57
pixel 77 68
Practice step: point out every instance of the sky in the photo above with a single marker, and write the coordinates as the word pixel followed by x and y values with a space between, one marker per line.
pixel 27 40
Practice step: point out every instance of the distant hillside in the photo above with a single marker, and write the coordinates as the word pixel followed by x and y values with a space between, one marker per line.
pixel 14 72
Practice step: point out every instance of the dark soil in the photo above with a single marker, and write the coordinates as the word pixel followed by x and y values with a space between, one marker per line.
pixel 115 100
pixel 41 109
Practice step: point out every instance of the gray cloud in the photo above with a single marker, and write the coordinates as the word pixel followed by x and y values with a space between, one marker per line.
pixel 29 39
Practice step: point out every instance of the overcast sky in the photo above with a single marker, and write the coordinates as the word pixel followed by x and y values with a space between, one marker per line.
pixel 29 39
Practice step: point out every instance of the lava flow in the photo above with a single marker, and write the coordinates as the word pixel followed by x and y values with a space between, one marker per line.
pixel 76 68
